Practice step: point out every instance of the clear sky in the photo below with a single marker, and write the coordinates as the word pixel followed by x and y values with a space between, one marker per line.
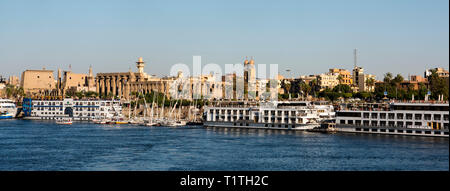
pixel 308 37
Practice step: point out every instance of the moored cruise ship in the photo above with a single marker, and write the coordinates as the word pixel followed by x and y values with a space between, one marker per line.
pixel 76 109
pixel 294 115
pixel 413 118
pixel 8 109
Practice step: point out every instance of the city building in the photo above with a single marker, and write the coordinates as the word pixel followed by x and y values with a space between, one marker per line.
pixel 345 77
pixel 328 80
pixel 440 71
pixel 359 78
pixel 2 87
pixel 14 80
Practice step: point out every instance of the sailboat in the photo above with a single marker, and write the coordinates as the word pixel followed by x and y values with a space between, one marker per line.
pixel 152 123
pixel 195 112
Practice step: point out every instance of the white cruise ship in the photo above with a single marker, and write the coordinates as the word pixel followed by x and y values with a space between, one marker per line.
pixel 76 109
pixel 8 109
pixel 293 115
pixel 414 118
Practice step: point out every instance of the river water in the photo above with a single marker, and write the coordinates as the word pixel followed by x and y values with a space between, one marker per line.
pixel 44 145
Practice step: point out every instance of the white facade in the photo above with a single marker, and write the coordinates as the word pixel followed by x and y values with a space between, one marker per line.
pixel 422 117
pixel 279 114
pixel 76 108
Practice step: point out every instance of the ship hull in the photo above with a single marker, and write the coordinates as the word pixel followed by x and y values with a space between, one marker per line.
pixel 248 125
pixel 392 131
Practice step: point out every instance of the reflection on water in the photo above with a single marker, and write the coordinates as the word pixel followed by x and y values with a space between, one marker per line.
pixel 43 145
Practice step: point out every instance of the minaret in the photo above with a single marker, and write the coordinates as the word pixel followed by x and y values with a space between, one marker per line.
pixel 90 71
pixel 140 65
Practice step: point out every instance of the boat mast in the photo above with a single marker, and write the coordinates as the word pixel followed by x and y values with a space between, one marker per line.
pixel 162 105
pixel 153 103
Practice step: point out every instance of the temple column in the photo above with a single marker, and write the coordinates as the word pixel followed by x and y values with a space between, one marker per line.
pixel 97 85
pixel 113 85
pixel 107 85
pixel 119 93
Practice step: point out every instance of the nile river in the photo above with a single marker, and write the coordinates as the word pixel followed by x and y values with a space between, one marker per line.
pixel 43 145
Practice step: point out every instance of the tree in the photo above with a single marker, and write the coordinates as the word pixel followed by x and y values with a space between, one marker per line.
pixel 304 88
pixel 438 86
pixel 370 82
pixel 387 77
pixel 398 79
pixel 342 88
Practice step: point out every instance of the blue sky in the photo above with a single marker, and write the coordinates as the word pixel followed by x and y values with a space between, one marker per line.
pixel 308 37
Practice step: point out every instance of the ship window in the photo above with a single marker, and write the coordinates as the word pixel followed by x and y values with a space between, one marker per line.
pixel 358 129
pixel 446 117
pixel 382 115
pixel 408 116
pixel 366 115
pixel 427 116
pixel 408 131
pixel 418 123
pixel 437 116
pixel 349 114
pixel 366 129
pixel 358 122
pixel 437 132
pixel 382 130
pixel 350 122
pixel 383 123
pixel 400 123
pixel 342 122
pixel 391 116
pixel 419 132
pixel 374 115
pixel 366 122
pixel 399 115
pixel 391 123
pixel 391 130
pixel 399 131
pixel 418 116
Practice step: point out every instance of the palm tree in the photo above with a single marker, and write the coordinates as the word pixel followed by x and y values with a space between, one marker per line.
pixel 305 88
pixel 370 82
pixel 287 86
pixel 340 78
pixel 387 77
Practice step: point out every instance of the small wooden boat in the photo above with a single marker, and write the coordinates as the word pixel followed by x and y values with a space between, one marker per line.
pixel 64 121
pixel 121 122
